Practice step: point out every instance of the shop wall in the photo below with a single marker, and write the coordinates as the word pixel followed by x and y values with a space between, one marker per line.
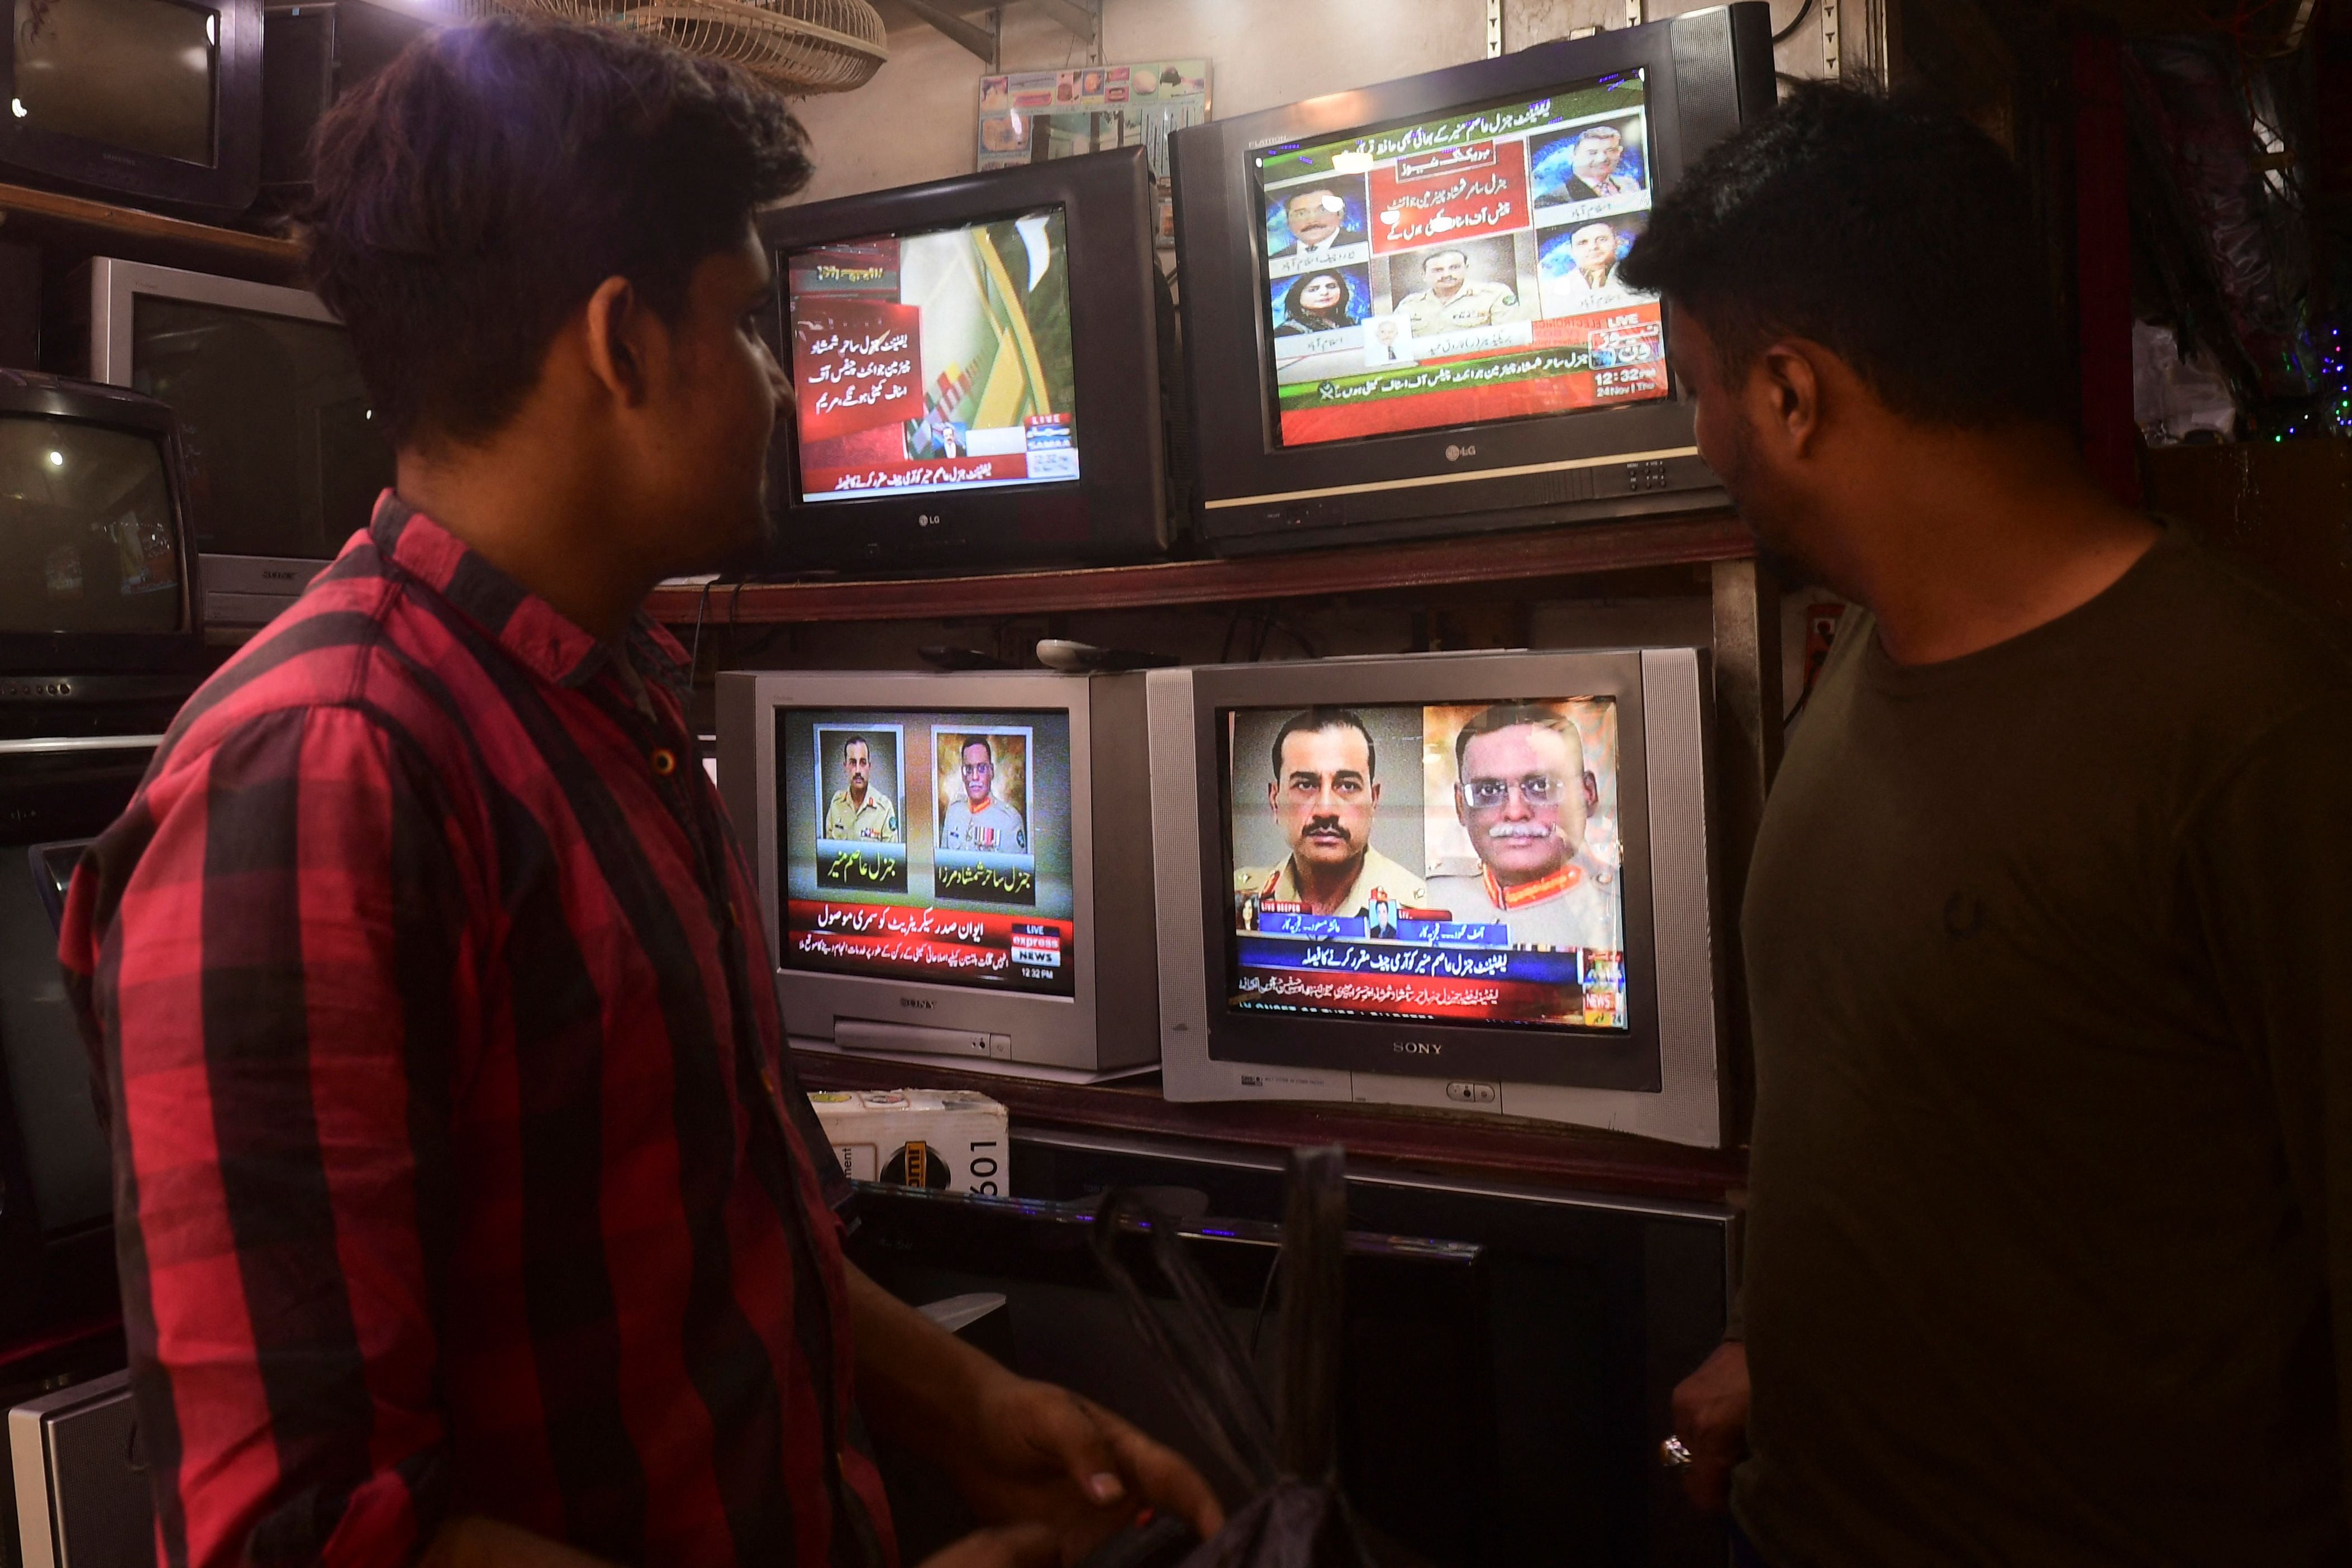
pixel 914 121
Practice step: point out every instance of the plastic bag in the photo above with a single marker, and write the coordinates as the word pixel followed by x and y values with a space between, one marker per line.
pixel 1297 1518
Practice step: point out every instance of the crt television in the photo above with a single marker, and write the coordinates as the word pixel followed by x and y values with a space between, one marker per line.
pixel 977 365
pixel 1467 880
pixel 96 583
pixel 1402 312
pixel 954 865
pixel 286 457
pixel 159 101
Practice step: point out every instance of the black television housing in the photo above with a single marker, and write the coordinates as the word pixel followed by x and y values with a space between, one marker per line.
pixel 1122 342
pixel 63 663
pixel 1706 72
pixel 95 142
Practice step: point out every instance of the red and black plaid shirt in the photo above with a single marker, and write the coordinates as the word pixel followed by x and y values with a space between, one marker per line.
pixel 458 1167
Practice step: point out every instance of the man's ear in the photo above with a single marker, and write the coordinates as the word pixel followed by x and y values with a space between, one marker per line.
pixel 1785 389
pixel 618 325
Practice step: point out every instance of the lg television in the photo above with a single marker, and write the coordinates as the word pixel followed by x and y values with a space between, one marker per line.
pixel 159 101
pixel 1402 308
pixel 977 365
pixel 286 457
pixel 1468 880
pixel 950 865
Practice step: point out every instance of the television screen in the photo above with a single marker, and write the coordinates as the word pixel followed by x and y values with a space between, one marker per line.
pixel 1456 861
pixel 1460 269
pixel 928 846
pixel 89 543
pixel 284 454
pixel 934 361
pixel 133 74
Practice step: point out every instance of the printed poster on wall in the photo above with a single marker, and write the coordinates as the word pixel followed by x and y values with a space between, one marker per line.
pixel 1028 117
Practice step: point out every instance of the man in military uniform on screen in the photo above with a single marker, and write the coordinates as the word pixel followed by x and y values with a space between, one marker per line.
pixel 981 822
pixel 860 811
pixel 1323 794
pixel 1451 300
pixel 1521 792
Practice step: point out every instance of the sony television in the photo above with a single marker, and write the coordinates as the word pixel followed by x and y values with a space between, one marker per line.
pixel 1402 308
pixel 977 365
pixel 1476 880
pixel 157 101
pixel 952 865
pixel 286 457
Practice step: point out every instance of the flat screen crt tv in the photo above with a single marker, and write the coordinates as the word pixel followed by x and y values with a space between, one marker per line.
pixel 950 865
pixel 1402 314
pixel 1466 880
pixel 977 368
pixel 159 101
pixel 286 457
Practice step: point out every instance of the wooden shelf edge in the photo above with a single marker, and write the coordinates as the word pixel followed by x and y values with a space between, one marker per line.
pixel 1462 1144
pixel 57 209
pixel 1567 551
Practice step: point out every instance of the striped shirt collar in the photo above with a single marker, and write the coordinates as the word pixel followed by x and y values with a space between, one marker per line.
pixel 540 637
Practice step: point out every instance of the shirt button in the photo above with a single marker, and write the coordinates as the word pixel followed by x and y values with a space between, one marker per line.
pixel 665 762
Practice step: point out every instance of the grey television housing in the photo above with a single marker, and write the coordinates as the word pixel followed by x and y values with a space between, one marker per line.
pixel 1106 1023
pixel 1658 1079
pixel 245 587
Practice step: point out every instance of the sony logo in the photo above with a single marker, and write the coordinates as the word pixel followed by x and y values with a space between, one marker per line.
pixel 1417 1048
pixel 916 1002
pixel 1456 453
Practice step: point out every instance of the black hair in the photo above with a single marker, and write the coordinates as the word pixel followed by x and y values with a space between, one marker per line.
pixel 979 740
pixel 1891 232
pixel 1292 310
pixel 1321 718
pixel 856 740
pixel 476 192
pixel 1505 716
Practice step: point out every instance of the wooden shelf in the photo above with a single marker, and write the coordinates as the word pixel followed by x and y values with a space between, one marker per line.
pixel 1506 1152
pixel 82 225
pixel 1567 551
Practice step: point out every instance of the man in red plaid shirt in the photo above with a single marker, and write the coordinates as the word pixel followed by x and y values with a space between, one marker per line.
pixel 467 1207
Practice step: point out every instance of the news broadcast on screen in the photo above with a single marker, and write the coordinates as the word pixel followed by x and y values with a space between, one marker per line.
pixel 931 846
pixel 1461 269
pixel 1455 862
pixel 934 361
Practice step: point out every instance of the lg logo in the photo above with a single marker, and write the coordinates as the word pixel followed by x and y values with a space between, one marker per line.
pixel 927 519
pixel 1456 453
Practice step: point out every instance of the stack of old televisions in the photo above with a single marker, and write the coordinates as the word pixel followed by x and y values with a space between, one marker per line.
pixel 1402 317
pixel 1400 311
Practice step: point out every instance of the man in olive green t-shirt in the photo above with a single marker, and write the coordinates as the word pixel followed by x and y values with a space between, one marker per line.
pixel 2048 929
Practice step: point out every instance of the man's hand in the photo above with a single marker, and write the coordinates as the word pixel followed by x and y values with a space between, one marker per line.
pixel 1041 1453
pixel 1006 1546
pixel 1022 1452
pixel 1711 1419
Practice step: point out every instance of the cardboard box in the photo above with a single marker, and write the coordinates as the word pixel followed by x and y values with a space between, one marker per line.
pixel 950 1140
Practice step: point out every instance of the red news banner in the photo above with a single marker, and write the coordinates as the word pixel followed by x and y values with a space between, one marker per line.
pixel 857 363
pixel 910 939
pixel 1454 194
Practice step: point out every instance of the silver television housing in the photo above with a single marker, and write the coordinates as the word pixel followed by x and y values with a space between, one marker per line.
pixel 1673 959
pixel 240 590
pixel 1107 1023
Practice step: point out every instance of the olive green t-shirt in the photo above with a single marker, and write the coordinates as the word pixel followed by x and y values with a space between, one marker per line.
pixel 2050 953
